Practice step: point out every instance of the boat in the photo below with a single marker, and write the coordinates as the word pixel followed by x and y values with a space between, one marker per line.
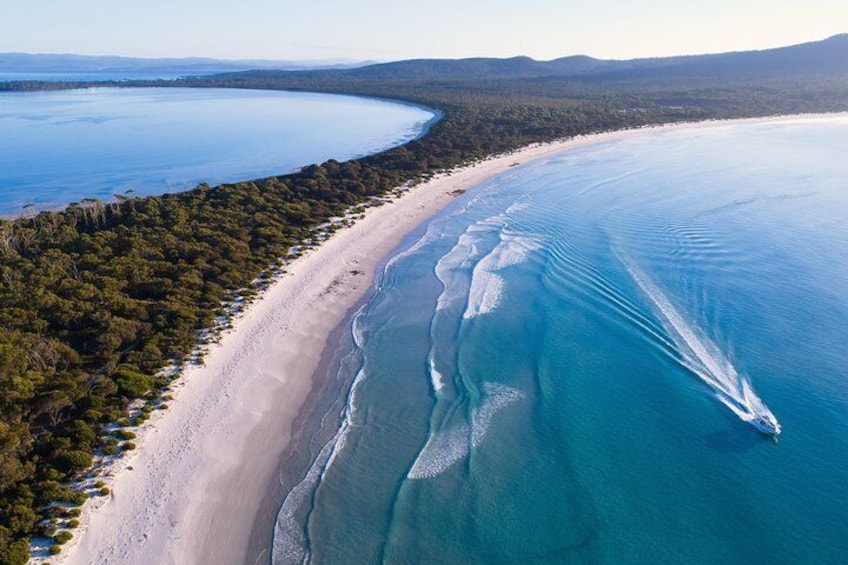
pixel 766 423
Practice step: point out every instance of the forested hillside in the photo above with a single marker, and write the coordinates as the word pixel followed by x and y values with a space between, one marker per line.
pixel 96 299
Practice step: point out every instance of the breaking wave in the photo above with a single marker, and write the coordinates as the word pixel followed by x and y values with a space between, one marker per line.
pixel 290 543
pixel 487 286
pixel 446 447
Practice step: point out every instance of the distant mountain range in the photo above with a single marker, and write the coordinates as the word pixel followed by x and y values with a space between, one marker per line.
pixel 20 63
pixel 827 56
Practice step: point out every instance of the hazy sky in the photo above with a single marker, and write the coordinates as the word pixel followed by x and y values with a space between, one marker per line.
pixel 394 29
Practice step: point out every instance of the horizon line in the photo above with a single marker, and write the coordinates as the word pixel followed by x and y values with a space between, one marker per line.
pixel 369 60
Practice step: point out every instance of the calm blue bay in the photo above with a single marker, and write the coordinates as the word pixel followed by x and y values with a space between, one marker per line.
pixel 564 366
pixel 60 147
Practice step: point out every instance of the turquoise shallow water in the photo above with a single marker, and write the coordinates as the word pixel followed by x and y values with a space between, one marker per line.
pixel 559 368
pixel 60 147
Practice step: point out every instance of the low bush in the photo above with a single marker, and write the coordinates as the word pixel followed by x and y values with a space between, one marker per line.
pixel 47 530
pixel 78 498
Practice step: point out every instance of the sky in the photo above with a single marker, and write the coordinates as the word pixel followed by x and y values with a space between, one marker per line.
pixel 392 29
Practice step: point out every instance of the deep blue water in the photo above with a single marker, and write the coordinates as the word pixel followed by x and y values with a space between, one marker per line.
pixel 60 147
pixel 561 366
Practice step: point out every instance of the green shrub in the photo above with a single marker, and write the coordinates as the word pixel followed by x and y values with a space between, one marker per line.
pixel 52 474
pixel 52 512
pixel 74 512
pixel 63 537
pixel 83 434
pixel 105 491
pixel 112 413
pixel 110 450
pixel 14 553
pixel 55 549
pixel 19 516
pixel 132 383
pixel 92 415
pixel 50 490
pixel 99 484
pixel 124 422
pixel 75 460
pixel 66 494
pixel 73 523
pixel 125 435
pixel 128 446
pixel 47 530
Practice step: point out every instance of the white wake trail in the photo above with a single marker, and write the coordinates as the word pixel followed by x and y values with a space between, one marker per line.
pixel 704 358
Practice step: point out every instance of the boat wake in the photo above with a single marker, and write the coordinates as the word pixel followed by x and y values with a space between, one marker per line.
pixel 703 357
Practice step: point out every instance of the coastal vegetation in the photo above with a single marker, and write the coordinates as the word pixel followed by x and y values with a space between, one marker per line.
pixel 98 299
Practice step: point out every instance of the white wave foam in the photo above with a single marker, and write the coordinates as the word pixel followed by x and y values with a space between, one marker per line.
pixel 289 544
pixel 487 287
pixel 357 329
pixel 460 257
pixel 499 397
pixel 517 207
pixel 702 356
pixel 412 249
pixel 289 537
pixel 436 378
pixel 512 250
pixel 446 447
pixel 442 450
pixel 485 293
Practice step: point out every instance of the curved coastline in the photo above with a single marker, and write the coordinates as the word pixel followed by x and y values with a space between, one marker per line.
pixel 207 465
pixel 153 173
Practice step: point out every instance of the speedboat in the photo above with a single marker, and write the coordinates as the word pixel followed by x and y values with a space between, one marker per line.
pixel 766 423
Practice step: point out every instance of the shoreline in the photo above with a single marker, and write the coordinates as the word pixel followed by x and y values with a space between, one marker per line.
pixel 331 386
pixel 415 132
pixel 198 485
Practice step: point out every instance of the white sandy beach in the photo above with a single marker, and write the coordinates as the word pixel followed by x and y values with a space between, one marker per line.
pixel 204 466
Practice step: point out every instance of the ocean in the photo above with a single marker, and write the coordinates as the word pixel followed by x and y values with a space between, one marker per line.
pixel 65 146
pixel 565 365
